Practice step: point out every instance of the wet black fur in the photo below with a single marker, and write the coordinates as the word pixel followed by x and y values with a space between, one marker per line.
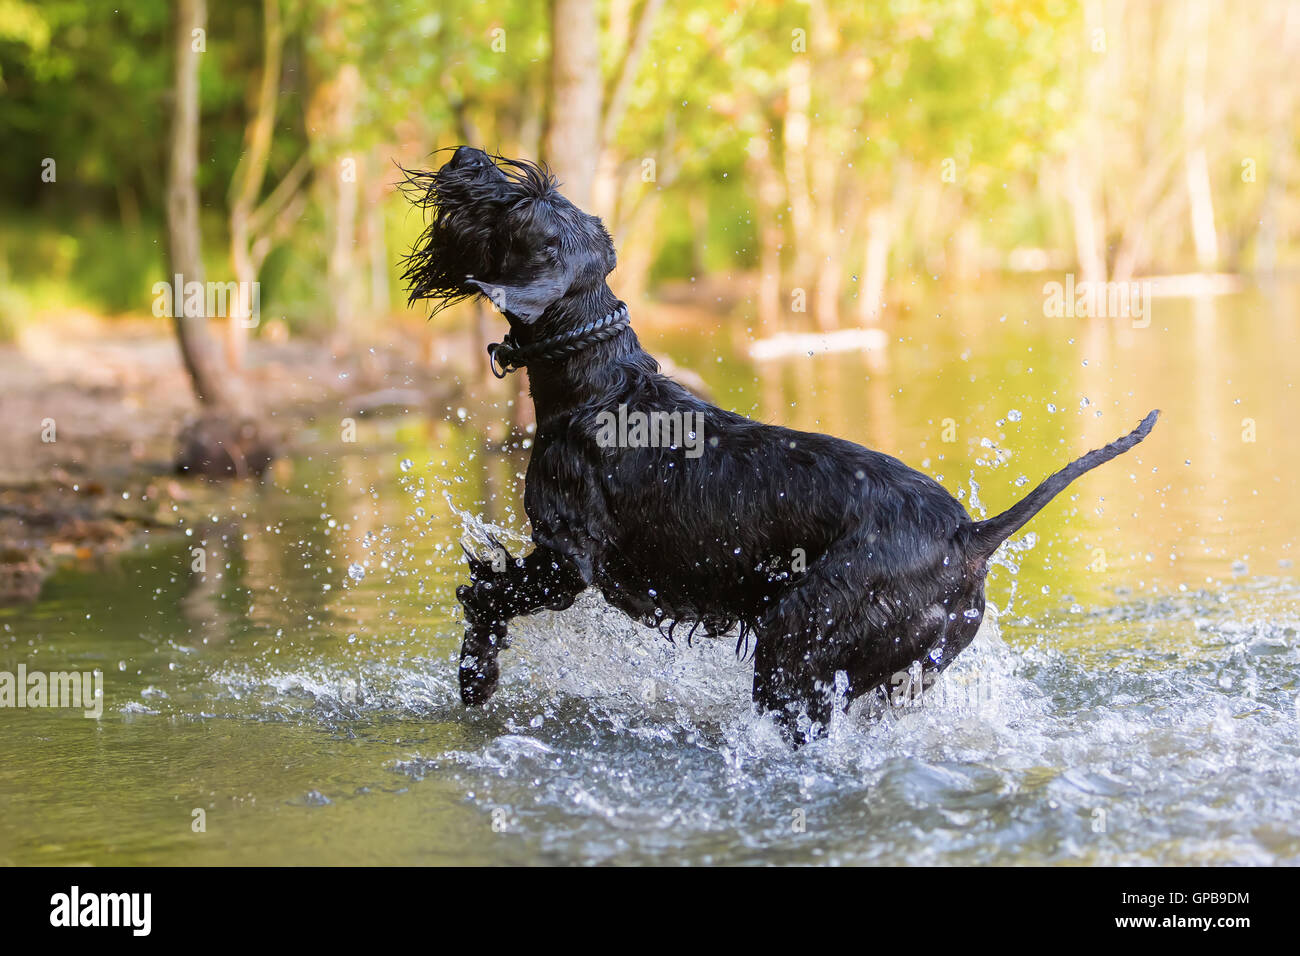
pixel 893 568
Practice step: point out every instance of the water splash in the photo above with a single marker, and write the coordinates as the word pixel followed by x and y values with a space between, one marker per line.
pixel 605 743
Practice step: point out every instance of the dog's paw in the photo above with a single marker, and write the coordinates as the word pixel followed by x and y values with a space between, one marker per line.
pixel 479 670
pixel 481 606
pixel 497 563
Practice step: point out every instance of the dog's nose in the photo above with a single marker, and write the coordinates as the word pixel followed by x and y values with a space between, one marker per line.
pixel 467 157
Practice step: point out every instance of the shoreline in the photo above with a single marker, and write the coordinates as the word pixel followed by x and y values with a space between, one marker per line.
pixel 94 411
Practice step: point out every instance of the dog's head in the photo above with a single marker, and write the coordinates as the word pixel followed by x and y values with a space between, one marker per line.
pixel 500 228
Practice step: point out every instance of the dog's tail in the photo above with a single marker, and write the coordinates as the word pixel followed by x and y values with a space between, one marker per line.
pixel 986 536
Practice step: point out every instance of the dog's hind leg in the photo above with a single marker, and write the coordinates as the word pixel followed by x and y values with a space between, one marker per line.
pixel 498 592
pixel 789 683
pixel 803 643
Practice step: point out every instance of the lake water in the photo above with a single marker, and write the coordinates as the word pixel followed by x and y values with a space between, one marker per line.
pixel 1133 700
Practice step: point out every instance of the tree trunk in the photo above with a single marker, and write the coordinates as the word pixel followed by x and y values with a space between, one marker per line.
pixel 634 39
pixel 875 265
pixel 827 241
pixel 1199 191
pixel 770 234
pixel 202 361
pixel 1082 166
pixel 572 142
pixel 336 89
pixel 341 269
pixel 246 185
pixel 220 443
pixel 1088 230
pixel 796 134
pixel 1280 156
pixel 377 246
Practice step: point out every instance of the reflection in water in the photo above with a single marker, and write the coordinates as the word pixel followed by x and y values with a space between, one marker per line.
pixel 1136 708
pixel 210 562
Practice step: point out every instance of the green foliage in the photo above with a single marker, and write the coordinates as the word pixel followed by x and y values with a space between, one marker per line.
pixel 897 89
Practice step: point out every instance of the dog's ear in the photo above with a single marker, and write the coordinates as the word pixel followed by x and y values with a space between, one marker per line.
pixel 527 302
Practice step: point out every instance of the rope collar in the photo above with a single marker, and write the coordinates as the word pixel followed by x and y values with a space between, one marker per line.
pixel 508 355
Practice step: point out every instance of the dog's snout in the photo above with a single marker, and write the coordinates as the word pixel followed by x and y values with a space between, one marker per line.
pixel 467 157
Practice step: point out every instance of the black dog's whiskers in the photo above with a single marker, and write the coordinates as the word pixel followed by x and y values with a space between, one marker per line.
pixel 841 567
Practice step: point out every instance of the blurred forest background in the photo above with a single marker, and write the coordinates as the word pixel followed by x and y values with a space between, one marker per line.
pixel 905 178
pixel 765 168
pixel 833 148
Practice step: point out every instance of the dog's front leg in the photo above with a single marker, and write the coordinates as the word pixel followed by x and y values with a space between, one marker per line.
pixel 501 589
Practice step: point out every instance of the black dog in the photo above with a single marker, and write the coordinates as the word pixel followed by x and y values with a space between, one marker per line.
pixel 837 559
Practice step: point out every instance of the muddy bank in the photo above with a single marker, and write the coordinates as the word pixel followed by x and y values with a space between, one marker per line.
pixel 90 415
